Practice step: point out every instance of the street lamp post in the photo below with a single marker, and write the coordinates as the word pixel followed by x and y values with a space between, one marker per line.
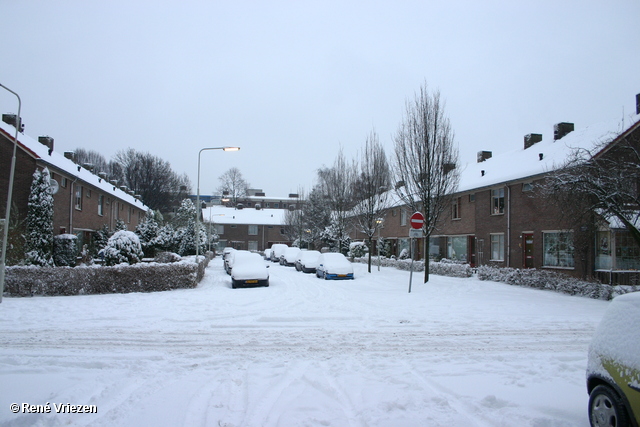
pixel 197 231
pixel 5 226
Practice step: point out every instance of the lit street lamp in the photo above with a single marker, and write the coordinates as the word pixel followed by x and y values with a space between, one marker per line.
pixel 5 225
pixel 198 207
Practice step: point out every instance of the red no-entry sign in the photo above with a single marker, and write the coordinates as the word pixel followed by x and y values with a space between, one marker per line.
pixel 417 220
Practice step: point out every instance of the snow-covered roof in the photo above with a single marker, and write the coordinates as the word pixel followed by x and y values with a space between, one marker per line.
pixel 521 163
pixel 60 162
pixel 225 215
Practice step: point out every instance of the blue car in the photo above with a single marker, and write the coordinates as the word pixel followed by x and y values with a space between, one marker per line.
pixel 334 266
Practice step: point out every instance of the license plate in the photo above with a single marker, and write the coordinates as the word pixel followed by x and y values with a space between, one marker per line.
pixel 342 275
pixel 251 281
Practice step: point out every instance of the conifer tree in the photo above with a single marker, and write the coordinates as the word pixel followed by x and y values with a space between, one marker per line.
pixel 39 236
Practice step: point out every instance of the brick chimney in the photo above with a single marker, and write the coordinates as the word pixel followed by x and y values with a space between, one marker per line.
pixel 484 155
pixel 562 129
pixel 46 141
pixel 531 139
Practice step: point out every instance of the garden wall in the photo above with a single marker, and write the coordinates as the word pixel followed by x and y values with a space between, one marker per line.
pixel 21 281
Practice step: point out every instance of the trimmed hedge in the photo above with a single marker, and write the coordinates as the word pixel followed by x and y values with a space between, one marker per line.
pixel 553 281
pixel 442 268
pixel 21 281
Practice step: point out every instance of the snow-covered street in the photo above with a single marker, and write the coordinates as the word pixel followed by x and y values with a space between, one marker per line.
pixel 302 352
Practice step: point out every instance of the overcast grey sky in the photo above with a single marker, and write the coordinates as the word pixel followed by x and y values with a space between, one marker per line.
pixel 291 82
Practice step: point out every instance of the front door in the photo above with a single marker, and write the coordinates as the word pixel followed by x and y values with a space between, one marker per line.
pixel 527 249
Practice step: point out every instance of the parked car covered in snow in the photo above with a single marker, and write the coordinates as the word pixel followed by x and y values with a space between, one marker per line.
pixel 267 254
pixel 288 257
pixel 249 270
pixel 277 249
pixel 226 253
pixel 613 367
pixel 307 261
pixel 334 266
pixel 232 258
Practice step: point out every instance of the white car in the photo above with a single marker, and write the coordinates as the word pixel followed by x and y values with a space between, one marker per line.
pixel 249 269
pixel 277 249
pixel 307 261
pixel 288 258
pixel 232 258
pixel 226 253
pixel 334 266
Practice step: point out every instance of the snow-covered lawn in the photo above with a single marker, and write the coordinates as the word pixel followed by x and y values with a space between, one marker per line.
pixel 302 352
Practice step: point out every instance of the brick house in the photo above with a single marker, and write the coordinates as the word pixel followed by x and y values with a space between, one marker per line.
pixel 83 203
pixel 248 228
pixel 498 218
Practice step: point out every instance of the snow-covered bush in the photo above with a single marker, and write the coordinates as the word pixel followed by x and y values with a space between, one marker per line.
pixel 39 237
pixel 147 231
pixel 384 247
pixel 65 250
pixel 123 247
pixel 167 257
pixel 357 249
pixel 404 254
pixel 553 281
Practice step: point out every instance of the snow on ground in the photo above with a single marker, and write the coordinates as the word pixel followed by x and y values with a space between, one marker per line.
pixel 303 352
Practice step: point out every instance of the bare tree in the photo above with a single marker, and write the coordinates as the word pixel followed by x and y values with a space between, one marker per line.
pixel 602 185
pixel 149 176
pixel 316 215
pixel 91 157
pixel 232 182
pixel 372 189
pixel 337 185
pixel 426 161
pixel 294 222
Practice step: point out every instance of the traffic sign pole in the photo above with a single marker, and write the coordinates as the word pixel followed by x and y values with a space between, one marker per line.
pixel 417 222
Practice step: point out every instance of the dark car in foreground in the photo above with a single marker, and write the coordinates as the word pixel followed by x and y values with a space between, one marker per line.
pixel 249 270
pixel 613 367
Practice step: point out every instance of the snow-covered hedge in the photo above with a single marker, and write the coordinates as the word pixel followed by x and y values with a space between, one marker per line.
pixel 442 268
pixel 21 281
pixel 553 281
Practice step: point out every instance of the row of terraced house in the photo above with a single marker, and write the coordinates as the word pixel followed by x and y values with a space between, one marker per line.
pixel 83 202
pixel 497 218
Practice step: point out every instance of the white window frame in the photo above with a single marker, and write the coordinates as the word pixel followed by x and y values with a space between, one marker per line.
pixel 497 194
pixel 252 230
pixel 403 217
pixel 497 246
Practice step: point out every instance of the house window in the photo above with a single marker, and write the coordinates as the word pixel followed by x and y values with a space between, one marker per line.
pixel 558 249
pixel 268 204
pixel 527 186
pixel 403 217
pixel 497 247
pixel 101 205
pixel 79 197
pixel 472 197
pixel 252 245
pixel 455 208
pixel 282 231
pixel 457 248
pixel 497 201
pixel 276 205
pixel 63 182
pixel 219 229
pixel 253 230
pixel 88 193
